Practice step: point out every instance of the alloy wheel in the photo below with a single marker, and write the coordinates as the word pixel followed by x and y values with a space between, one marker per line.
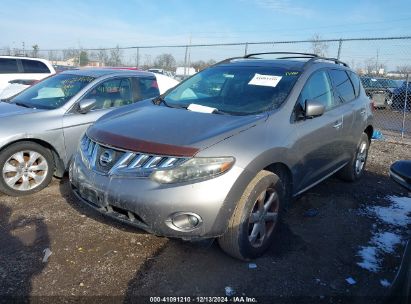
pixel 263 217
pixel 25 170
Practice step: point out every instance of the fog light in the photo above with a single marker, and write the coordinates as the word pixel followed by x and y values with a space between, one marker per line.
pixel 184 221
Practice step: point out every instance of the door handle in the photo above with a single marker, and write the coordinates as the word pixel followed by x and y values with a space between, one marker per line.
pixel 337 125
pixel 362 112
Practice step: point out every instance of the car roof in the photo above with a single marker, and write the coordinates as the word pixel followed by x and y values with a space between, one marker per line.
pixel 295 64
pixel 283 63
pixel 95 72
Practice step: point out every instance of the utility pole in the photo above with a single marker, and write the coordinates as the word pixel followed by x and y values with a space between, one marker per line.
pixel 186 58
pixel 339 49
pixel 189 56
pixel 246 49
pixel 376 63
pixel 185 61
pixel 138 58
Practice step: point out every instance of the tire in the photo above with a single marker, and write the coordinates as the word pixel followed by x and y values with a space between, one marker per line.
pixel 15 162
pixel 243 239
pixel 354 170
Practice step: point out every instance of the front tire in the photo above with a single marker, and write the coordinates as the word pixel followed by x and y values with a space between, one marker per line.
pixel 25 168
pixel 354 170
pixel 255 219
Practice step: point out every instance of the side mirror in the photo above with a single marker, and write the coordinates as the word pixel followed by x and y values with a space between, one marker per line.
pixel 86 105
pixel 313 108
pixel 400 172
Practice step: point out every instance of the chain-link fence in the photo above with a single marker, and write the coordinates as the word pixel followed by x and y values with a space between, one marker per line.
pixel 382 63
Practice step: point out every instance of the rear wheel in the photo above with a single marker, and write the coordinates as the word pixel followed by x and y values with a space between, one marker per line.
pixel 255 218
pixel 25 168
pixel 355 168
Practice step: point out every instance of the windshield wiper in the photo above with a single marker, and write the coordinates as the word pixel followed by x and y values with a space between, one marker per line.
pixel 221 112
pixel 22 104
pixel 159 100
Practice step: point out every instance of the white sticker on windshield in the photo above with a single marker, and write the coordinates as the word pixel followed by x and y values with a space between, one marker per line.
pixel 199 108
pixel 265 80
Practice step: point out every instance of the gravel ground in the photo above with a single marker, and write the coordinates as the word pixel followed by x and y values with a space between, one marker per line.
pixel 92 256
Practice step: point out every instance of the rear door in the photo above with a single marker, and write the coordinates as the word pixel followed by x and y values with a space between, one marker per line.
pixel 361 107
pixel 346 98
pixel 319 138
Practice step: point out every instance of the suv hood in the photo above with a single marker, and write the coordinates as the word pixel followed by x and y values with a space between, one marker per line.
pixel 168 131
pixel 10 109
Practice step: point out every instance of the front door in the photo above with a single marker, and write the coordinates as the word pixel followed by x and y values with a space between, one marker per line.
pixel 319 138
pixel 108 94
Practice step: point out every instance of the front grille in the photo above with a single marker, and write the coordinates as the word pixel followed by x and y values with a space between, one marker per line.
pixel 108 160
pixel 116 155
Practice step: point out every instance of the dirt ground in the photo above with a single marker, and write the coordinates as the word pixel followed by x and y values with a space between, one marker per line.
pixel 92 256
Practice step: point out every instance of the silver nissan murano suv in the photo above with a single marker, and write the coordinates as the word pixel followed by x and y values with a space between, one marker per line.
pixel 221 154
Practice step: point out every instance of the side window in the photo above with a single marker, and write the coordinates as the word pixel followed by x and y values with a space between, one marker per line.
pixel 144 88
pixel 8 66
pixel 355 79
pixel 34 66
pixel 111 93
pixel 343 85
pixel 318 88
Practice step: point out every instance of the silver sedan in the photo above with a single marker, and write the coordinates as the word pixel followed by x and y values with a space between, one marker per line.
pixel 40 128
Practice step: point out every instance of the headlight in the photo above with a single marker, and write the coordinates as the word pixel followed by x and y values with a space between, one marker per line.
pixel 194 169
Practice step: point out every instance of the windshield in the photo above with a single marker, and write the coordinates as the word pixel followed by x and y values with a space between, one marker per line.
pixel 53 92
pixel 236 90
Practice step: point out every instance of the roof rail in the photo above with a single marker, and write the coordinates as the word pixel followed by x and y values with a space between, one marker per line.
pixel 335 60
pixel 226 60
pixel 311 58
pixel 275 53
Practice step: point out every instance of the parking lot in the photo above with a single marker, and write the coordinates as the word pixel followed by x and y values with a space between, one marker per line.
pixel 316 250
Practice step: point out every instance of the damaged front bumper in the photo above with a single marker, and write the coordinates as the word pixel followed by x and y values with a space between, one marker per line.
pixel 154 207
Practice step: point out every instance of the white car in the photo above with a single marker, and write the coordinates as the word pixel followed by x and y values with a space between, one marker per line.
pixel 23 69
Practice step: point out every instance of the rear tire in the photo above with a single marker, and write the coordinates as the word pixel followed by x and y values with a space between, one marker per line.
pixel 255 219
pixel 25 168
pixel 354 170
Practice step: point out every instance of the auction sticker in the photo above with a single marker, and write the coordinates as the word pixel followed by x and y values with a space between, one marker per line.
pixel 265 80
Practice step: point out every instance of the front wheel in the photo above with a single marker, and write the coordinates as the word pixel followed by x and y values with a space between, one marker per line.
pixel 26 168
pixel 255 218
pixel 354 170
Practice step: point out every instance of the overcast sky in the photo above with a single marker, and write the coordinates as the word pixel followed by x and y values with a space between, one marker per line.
pixel 100 23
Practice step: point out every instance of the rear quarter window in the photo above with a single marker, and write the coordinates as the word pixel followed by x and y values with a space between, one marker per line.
pixel 8 66
pixel 355 79
pixel 342 84
pixel 34 66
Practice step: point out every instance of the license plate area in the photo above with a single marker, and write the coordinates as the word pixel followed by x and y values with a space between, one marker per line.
pixel 93 196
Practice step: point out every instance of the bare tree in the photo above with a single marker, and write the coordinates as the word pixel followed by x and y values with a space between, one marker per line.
pixel 35 51
pixel 372 67
pixel 369 66
pixel 147 61
pixel 318 46
pixel 6 51
pixel 165 61
pixel 71 53
pixel 201 65
pixel 115 57
pixel 404 69
pixel 102 57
